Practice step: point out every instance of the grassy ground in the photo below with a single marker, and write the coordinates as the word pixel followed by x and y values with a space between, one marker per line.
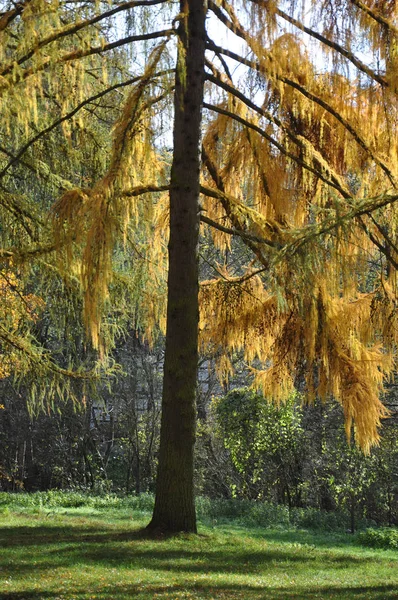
pixel 82 553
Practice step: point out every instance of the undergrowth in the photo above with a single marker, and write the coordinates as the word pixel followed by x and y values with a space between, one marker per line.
pixel 210 511
pixel 385 537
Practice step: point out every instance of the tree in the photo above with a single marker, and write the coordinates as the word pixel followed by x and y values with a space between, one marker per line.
pixel 298 163
pixel 174 504
pixel 266 444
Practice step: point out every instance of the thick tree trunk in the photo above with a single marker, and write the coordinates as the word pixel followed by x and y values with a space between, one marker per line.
pixel 174 504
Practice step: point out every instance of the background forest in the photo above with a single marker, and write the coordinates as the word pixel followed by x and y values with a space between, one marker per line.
pixel 291 148
pixel 247 448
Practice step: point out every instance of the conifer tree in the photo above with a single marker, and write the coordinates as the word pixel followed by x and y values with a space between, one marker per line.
pixel 298 163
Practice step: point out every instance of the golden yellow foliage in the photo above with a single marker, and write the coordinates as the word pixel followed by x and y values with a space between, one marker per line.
pixel 301 162
pixel 17 309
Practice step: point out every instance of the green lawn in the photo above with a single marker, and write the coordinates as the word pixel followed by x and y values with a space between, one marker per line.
pixel 82 553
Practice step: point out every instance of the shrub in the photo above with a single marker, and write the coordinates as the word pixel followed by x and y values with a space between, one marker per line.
pixel 243 512
pixel 312 518
pixel 386 537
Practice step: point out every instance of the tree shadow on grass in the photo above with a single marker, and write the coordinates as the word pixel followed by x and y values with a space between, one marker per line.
pixel 68 545
pixel 214 591
pixel 316 538
pixel 43 549
pixel 66 534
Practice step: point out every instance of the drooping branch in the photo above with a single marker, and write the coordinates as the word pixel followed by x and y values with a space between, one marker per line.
pixel 92 50
pixel 40 358
pixel 145 189
pixel 14 288
pixel 314 98
pixel 25 217
pixel 7 152
pixel 361 208
pixel 101 206
pixel 228 74
pixel 354 212
pixel 315 170
pixel 384 249
pixel 76 54
pixel 376 16
pixel 361 66
pixel 382 230
pixel 9 16
pixel 230 230
pixel 219 193
pixel 18 254
pixel 16 158
pixel 76 27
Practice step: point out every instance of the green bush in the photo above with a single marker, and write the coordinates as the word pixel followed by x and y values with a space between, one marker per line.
pixel 385 537
pixel 312 518
pixel 144 502
pixel 267 514
pixel 245 512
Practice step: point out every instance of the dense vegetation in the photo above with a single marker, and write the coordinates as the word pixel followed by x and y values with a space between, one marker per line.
pixel 257 459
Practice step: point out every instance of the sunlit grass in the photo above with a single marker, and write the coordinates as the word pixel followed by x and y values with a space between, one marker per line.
pixel 84 552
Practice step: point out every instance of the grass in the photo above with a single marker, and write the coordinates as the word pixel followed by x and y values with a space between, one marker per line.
pixel 84 552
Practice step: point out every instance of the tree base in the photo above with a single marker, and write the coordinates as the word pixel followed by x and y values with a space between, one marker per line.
pixel 158 529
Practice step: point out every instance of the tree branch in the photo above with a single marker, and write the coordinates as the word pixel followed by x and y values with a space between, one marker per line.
pixel 378 244
pixel 237 28
pixel 375 16
pixel 331 44
pixel 231 230
pixel 363 207
pixel 145 189
pixel 73 28
pixel 10 15
pixel 215 175
pixel 76 54
pixel 384 234
pixel 317 172
pixel 317 100
pixel 21 253
pixel 40 357
pixel 69 115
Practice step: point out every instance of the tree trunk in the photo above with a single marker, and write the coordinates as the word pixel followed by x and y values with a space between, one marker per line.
pixel 174 503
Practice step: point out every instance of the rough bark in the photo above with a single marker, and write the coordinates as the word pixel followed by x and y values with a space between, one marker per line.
pixel 174 503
